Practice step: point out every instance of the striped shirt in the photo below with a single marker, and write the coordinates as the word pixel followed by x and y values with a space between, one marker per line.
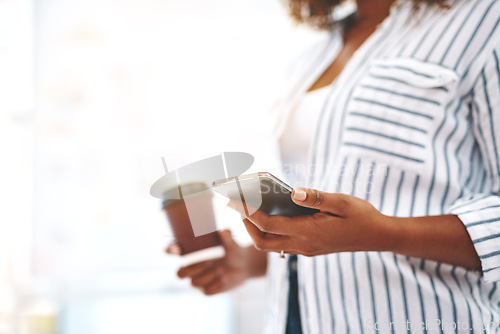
pixel 413 126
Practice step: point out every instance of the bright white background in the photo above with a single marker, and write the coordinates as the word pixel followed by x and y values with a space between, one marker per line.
pixel 92 94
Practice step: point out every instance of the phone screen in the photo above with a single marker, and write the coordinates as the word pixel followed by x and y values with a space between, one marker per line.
pixel 262 191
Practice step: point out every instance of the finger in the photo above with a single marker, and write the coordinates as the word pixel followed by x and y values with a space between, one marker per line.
pixel 281 225
pixel 272 223
pixel 227 240
pixel 335 203
pixel 206 277
pixel 195 269
pixel 243 208
pixel 214 287
pixel 266 241
pixel 174 249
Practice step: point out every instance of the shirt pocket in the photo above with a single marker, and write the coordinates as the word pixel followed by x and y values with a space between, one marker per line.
pixel 394 110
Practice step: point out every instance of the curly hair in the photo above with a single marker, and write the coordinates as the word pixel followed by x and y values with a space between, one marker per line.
pixel 319 13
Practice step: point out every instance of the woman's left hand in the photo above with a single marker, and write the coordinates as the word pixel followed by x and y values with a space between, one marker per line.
pixel 344 224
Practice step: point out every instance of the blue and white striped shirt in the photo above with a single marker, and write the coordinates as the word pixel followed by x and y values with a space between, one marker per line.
pixel 413 126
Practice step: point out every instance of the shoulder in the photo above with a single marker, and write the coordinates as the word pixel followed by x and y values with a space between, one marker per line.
pixel 477 12
pixel 464 36
pixel 473 15
pixel 479 33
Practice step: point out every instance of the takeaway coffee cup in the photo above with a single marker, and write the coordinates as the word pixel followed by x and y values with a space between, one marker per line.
pixel 181 205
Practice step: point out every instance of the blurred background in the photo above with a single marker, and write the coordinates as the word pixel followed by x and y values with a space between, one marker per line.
pixel 92 94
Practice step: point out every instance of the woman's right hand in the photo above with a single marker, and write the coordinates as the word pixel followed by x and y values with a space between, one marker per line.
pixel 219 275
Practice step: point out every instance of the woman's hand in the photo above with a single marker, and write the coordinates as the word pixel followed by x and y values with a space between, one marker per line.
pixel 348 224
pixel 219 275
pixel 345 223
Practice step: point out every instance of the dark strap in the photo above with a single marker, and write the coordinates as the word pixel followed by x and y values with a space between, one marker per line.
pixel 293 324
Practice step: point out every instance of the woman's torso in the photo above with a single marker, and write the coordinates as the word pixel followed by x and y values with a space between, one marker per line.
pixel 396 130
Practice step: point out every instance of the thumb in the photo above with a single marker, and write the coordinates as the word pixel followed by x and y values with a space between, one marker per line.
pixel 226 239
pixel 328 202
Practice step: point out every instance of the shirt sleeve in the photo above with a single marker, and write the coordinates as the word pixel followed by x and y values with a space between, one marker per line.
pixel 480 213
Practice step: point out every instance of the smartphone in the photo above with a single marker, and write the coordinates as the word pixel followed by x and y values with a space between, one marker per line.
pixel 262 191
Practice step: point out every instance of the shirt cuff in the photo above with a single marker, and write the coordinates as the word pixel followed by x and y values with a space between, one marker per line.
pixel 480 215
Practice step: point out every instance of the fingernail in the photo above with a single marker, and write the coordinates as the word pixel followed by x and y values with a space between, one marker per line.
pixel 174 249
pixel 299 194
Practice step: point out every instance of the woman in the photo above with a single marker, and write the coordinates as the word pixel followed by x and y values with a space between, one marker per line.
pixel 405 149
